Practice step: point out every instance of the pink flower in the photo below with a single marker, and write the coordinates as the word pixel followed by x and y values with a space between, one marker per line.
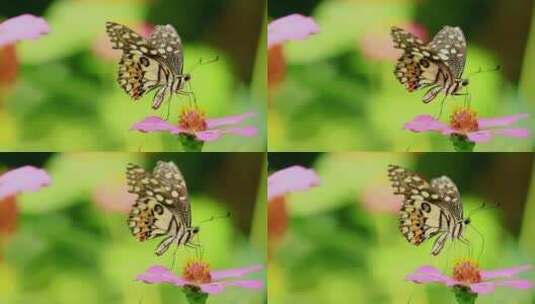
pixel 465 122
pixel 192 121
pixel 291 27
pixel 23 27
pixel 198 274
pixel 378 198
pixel 23 179
pixel 378 45
pixel 295 178
pixel 467 273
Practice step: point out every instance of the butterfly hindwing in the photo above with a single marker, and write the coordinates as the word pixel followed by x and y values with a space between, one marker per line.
pixel 449 43
pixel 149 219
pixel 139 74
pixel 166 41
pixel 175 189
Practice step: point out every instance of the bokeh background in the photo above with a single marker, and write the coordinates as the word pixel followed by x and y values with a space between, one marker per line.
pixel 342 243
pixel 335 91
pixel 69 242
pixel 59 93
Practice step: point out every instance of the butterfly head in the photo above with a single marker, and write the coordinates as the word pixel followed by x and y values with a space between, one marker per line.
pixel 195 230
pixel 464 82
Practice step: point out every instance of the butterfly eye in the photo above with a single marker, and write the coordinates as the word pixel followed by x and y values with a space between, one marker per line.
pixel 467 221
pixel 187 77
pixel 195 230
pixel 464 82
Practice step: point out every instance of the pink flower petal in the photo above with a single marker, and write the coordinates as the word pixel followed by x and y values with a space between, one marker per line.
pixel 513 132
pixel 292 27
pixel 217 287
pixel 229 120
pixel 155 124
pixel 209 135
pixel 488 287
pixel 429 274
pixel 295 178
pixel 160 274
pixel 23 179
pixel 500 121
pixel 22 27
pixel 424 123
pixel 236 272
pixel 480 136
pixel 504 272
pixel 483 287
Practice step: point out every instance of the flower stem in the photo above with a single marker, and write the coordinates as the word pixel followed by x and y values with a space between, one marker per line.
pixel 461 143
pixel 190 143
pixel 464 295
pixel 195 295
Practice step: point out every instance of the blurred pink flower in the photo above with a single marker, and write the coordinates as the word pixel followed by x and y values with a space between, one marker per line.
pixel 467 273
pixel 377 45
pixel 291 27
pixel 113 196
pixel 465 122
pixel 291 179
pixel 23 179
pixel 192 121
pixel 23 27
pixel 198 274
pixel 378 198
pixel 102 44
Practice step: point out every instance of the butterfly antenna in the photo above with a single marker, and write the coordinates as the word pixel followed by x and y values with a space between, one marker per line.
pixel 480 70
pixel 201 63
pixel 216 218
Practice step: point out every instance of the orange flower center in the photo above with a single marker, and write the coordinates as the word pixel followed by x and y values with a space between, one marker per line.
pixel 466 271
pixel 464 120
pixel 192 119
pixel 197 272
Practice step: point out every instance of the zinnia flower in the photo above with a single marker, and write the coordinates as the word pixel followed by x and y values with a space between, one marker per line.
pixel 291 179
pixel 197 274
pixel 465 122
pixel 466 273
pixel 23 27
pixel 193 122
pixel 23 179
pixel 291 27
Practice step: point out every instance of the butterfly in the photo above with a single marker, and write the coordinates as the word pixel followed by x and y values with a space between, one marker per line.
pixel 162 207
pixel 152 63
pixel 438 65
pixel 428 209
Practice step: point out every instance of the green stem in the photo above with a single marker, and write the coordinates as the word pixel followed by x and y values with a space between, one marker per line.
pixel 464 295
pixel 461 143
pixel 190 143
pixel 195 295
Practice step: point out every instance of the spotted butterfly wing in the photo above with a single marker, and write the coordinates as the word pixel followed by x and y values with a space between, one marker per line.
pixel 425 213
pixel 158 210
pixel 422 65
pixel 450 43
pixel 148 64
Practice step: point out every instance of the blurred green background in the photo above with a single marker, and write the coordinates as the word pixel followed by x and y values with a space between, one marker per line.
pixel 69 242
pixel 343 245
pixel 339 92
pixel 59 93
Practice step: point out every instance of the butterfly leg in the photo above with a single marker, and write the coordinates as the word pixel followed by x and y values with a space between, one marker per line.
pixel 441 107
pixel 439 243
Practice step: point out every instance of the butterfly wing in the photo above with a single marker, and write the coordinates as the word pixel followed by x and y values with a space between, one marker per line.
pixel 149 219
pixel 450 44
pixel 421 214
pixel 418 66
pixel 175 189
pixel 450 196
pixel 167 42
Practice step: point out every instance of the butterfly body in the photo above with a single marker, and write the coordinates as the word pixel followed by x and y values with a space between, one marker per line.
pixel 438 65
pixel 154 63
pixel 162 207
pixel 428 209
